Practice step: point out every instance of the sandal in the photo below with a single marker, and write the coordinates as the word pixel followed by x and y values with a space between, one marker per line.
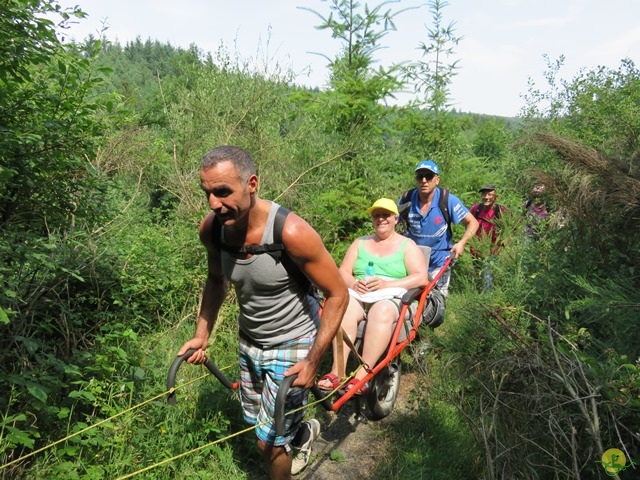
pixel 331 378
pixel 352 384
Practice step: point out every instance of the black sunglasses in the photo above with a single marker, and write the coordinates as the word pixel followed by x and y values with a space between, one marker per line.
pixel 427 176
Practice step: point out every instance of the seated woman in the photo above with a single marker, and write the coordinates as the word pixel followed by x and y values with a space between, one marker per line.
pixel 399 266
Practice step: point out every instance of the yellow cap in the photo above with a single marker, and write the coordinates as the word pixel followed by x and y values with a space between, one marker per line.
pixel 384 204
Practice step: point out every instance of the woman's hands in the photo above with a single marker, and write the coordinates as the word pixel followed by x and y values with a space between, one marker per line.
pixel 375 283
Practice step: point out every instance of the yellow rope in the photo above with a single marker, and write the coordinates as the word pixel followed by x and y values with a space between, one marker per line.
pixel 184 454
pixel 171 390
pixel 248 429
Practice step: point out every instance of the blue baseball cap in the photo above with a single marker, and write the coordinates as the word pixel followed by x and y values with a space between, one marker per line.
pixel 428 165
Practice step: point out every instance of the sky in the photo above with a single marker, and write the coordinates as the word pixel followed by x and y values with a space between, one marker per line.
pixel 503 45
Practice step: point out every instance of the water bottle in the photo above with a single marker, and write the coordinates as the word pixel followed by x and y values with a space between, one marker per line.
pixel 369 272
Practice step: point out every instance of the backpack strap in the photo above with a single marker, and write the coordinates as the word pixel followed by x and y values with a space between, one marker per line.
pixel 444 208
pixel 216 232
pixel 404 205
pixel 406 196
pixel 280 254
pixel 443 205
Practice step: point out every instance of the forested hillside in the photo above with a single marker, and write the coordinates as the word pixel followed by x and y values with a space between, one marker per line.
pixel 101 267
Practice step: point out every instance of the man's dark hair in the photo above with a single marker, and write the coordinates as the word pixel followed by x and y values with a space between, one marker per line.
pixel 240 159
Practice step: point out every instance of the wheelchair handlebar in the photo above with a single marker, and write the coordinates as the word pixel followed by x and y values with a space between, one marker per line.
pixel 281 399
pixel 171 377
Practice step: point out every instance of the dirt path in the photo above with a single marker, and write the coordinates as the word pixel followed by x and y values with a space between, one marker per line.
pixel 348 449
pixel 351 450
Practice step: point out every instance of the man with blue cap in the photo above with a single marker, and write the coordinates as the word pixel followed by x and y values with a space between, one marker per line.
pixel 428 225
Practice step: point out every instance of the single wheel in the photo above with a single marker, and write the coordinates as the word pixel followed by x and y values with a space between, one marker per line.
pixel 383 390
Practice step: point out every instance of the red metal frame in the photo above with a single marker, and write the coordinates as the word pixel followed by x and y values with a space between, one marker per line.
pixel 398 347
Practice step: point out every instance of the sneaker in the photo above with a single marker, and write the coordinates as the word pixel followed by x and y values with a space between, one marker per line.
pixel 302 453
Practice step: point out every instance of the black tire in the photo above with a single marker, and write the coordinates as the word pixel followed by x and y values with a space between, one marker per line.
pixel 383 390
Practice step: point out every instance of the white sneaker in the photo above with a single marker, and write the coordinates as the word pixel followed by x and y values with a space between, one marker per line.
pixel 302 453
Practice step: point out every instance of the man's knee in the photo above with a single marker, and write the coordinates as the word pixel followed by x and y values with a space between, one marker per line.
pixel 270 451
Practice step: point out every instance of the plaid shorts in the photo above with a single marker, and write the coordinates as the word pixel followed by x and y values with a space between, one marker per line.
pixel 261 372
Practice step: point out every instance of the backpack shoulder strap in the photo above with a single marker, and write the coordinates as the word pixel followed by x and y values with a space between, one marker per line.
pixel 278 224
pixel 477 208
pixel 444 208
pixel 275 249
pixel 280 254
pixel 216 232
pixel 406 196
pixel 404 205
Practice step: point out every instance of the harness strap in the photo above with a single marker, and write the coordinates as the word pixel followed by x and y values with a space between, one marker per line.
pixel 254 249
pixel 275 249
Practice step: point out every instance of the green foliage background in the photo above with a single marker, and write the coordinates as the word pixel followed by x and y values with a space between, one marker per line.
pixel 101 270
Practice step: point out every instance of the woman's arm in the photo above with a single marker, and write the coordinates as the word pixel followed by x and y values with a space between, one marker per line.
pixel 348 262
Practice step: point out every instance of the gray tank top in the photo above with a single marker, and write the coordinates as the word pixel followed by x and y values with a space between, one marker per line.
pixel 274 308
